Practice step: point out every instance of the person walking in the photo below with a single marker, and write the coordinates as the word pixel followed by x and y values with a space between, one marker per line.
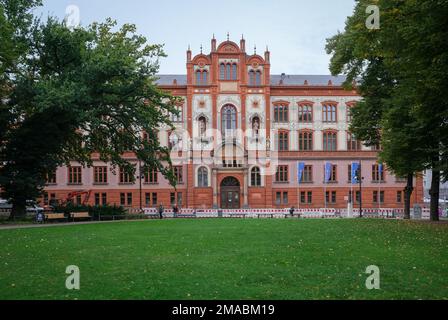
pixel 161 210
pixel 175 210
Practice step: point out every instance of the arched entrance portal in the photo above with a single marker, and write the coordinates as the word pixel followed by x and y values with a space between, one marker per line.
pixel 230 193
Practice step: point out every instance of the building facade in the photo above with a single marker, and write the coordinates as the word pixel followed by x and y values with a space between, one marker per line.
pixel 239 138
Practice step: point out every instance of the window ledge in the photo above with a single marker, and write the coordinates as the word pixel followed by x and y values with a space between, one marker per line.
pixel 74 184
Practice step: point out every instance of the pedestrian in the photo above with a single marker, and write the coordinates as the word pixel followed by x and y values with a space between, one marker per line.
pixel 175 210
pixel 161 209
pixel 40 217
pixel 291 211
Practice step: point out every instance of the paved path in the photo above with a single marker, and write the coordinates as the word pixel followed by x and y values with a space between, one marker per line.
pixel 65 224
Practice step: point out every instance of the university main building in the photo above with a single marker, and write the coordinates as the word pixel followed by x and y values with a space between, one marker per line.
pixel 246 138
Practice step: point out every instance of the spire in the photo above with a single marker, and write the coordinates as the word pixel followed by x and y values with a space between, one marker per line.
pixel 201 48
pixel 255 49
pixel 213 43
pixel 228 36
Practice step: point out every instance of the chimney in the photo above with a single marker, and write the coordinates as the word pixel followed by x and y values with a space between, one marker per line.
pixel 243 44
pixel 213 44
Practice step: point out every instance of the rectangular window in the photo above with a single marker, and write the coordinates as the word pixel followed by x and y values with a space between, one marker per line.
pixel 147 199
pixel 282 174
pixel 283 141
pixel 151 176
pixel 179 199
pixel 375 196
pixel 122 199
pixel 305 141
pixel 399 196
pixel 376 176
pixel 329 113
pixel 51 177
pixel 74 175
pixel 330 141
pixel 352 143
pixel 281 113
pixel 172 198
pixel 278 198
pixel 104 198
pixel 177 118
pixel 307 175
pixel 100 175
pixel 46 198
pixel 154 198
pixel 97 199
pixel 129 198
pixel 333 174
pixel 178 172
pixel 330 197
pixel 126 177
pixel 306 197
pixel 285 197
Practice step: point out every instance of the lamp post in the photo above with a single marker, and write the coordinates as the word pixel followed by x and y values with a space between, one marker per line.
pixel 140 183
pixel 360 178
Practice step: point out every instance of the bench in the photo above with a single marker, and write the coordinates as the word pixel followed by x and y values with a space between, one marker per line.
pixel 237 215
pixel 80 215
pixel 295 215
pixel 265 215
pixel 54 216
pixel 185 215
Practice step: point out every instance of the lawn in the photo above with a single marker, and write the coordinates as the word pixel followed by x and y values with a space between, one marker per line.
pixel 227 259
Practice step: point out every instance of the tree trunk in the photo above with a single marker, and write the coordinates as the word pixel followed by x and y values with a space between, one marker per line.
pixel 434 192
pixel 18 209
pixel 407 196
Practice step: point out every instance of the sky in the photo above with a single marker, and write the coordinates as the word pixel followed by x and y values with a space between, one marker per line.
pixel 294 30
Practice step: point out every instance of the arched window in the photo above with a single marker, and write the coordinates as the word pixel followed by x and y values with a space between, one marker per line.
pixel 305 113
pixel 228 71
pixel 228 115
pixel 329 113
pixel 330 141
pixel 234 71
pixel 258 78
pixel 251 77
pixel 204 77
pixel 198 77
pixel 202 177
pixel 353 144
pixel 222 71
pixel 255 177
pixel 281 113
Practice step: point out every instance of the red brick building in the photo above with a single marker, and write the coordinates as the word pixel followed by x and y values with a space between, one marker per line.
pixel 239 138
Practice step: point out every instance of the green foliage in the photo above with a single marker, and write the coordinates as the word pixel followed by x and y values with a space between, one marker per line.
pixel 94 211
pixel 81 91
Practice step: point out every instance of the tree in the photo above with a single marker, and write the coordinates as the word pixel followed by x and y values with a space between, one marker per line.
pixel 399 82
pixel 95 88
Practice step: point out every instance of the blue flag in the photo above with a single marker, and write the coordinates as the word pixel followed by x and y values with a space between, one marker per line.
pixel 328 167
pixel 380 170
pixel 300 168
pixel 355 167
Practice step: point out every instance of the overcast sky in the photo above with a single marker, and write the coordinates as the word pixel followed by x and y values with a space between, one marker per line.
pixel 294 30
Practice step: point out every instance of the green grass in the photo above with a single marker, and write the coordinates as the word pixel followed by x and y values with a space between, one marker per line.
pixel 227 259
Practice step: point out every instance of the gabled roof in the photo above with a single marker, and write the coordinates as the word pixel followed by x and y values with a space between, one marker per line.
pixel 167 79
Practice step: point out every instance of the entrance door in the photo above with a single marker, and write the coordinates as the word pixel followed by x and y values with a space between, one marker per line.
pixel 230 193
